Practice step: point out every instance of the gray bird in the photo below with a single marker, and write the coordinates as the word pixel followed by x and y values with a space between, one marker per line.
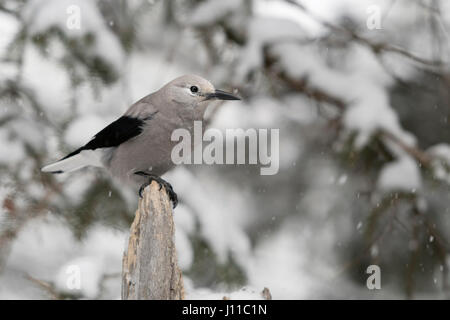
pixel 136 148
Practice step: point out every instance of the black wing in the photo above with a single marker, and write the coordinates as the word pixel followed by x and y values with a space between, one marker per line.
pixel 113 135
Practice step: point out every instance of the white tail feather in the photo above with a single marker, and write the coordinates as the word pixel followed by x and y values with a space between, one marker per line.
pixel 75 162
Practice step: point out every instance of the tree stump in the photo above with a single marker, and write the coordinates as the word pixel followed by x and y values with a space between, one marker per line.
pixel 150 267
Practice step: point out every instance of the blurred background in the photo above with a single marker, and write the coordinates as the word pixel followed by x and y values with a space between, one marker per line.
pixel 359 90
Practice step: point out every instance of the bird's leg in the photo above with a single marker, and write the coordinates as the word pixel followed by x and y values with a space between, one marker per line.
pixel 162 183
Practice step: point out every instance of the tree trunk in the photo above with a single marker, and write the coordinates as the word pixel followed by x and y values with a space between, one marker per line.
pixel 150 269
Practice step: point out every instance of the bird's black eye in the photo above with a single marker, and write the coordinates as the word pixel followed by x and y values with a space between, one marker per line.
pixel 194 89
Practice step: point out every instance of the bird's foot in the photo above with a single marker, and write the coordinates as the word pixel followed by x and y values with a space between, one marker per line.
pixel 162 183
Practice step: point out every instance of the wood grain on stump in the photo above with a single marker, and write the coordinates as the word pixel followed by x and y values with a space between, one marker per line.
pixel 150 267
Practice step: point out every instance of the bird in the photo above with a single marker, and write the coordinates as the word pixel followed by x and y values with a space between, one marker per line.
pixel 136 148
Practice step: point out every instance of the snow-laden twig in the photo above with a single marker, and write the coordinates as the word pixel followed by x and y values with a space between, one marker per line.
pixel 377 48
pixel 320 95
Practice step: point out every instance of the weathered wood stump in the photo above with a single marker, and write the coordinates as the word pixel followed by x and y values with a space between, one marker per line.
pixel 150 267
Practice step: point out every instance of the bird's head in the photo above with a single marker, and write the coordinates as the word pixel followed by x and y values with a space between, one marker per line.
pixel 192 90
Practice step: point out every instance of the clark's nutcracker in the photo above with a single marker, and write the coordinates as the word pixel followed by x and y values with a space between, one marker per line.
pixel 137 147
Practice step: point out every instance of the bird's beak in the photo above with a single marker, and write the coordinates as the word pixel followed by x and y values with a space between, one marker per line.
pixel 221 95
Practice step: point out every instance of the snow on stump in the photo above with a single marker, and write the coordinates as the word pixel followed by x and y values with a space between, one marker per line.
pixel 150 267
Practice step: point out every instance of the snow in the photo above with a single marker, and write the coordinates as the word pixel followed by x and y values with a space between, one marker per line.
pixel 441 161
pixel 441 151
pixel 12 150
pixel 35 252
pixel 273 261
pixel 218 216
pixel 264 113
pixel 89 271
pixel 84 128
pixel 260 111
pixel 44 14
pixel 76 184
pixel 184 249
pixel 30 135
pixel 362 89
pixel 371 114
pixel 329 10
pixel 286 11
pixel 403 174
pixel 142 65
pixel 262 31
pixel 49 83
pixel 99 255
pixel 4 192
pixel 184 227
pixel 110 103
pixel 210 11
pixel 9 26
pixel 184 219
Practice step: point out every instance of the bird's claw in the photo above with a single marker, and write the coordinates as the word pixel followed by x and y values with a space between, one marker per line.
pixel 172 195
pixel 141 189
